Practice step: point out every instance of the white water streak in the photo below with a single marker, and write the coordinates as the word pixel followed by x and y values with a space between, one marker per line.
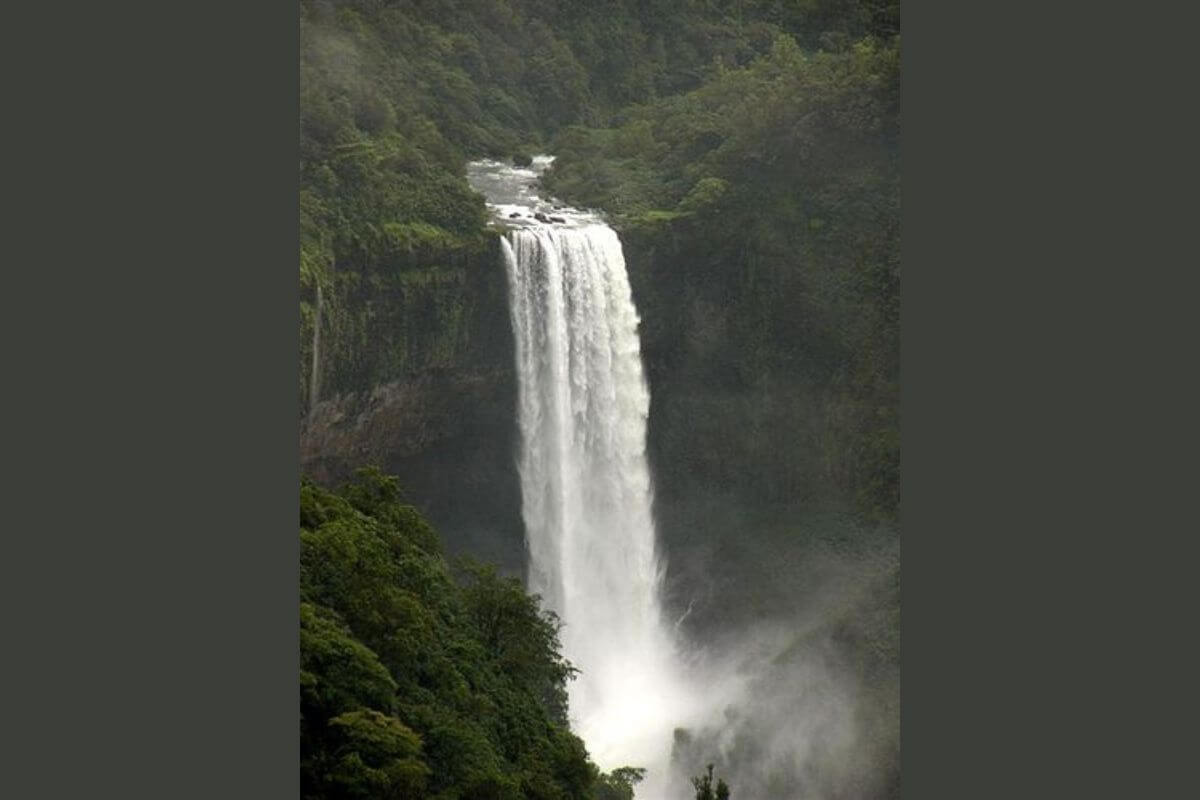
pixel 586 489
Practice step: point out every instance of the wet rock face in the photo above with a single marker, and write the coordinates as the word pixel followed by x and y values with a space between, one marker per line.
pixel 392 422
pixel 448 436
pixel 418 381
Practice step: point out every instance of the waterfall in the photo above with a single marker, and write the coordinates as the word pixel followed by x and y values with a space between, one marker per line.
pixel 586 490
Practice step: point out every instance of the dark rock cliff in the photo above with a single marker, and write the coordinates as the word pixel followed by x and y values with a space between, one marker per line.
pixel 417 378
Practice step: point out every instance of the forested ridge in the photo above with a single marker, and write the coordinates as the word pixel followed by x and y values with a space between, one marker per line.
pixel 750 150
pixel 419 678
pixel 748 153
pixel 762 213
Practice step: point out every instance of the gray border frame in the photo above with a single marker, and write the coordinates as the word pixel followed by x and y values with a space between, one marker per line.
pixel 1021 619
pixel 151 567
pixel 152 553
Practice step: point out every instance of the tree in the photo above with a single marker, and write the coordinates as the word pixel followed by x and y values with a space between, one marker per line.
pixel 618 784
pixel 413 684
pixel 378 756
pixel 704 787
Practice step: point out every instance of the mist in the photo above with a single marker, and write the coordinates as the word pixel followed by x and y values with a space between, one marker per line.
pixel 805 703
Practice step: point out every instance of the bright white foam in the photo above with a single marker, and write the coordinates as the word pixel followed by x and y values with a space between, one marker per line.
pixel 585 482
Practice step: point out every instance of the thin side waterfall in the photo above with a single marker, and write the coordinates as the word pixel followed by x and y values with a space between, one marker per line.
pixel 314 384
pixel 586 489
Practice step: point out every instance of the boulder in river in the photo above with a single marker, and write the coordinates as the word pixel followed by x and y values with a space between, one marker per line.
pixel 514 215
pixel 557 219
pixel 540 217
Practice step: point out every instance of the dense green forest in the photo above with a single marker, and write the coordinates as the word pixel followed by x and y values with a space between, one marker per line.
pixel 749 151
pixel 769 200
pixel 419 679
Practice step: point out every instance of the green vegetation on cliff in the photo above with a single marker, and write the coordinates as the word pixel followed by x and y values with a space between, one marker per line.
pixel 396 95
pixel 418 680
pixel 761 215
pixel 748 151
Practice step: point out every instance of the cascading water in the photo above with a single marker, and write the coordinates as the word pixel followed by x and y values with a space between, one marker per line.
pixel 585 482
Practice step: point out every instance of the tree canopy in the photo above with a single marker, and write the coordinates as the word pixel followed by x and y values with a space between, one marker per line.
pixel 419 679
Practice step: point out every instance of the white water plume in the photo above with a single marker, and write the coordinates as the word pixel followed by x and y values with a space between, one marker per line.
pixel 586 488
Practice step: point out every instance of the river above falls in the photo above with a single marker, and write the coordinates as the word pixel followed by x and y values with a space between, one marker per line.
pixel 513 197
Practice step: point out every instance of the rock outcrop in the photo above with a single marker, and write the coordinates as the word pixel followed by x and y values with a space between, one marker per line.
pixel 417 379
